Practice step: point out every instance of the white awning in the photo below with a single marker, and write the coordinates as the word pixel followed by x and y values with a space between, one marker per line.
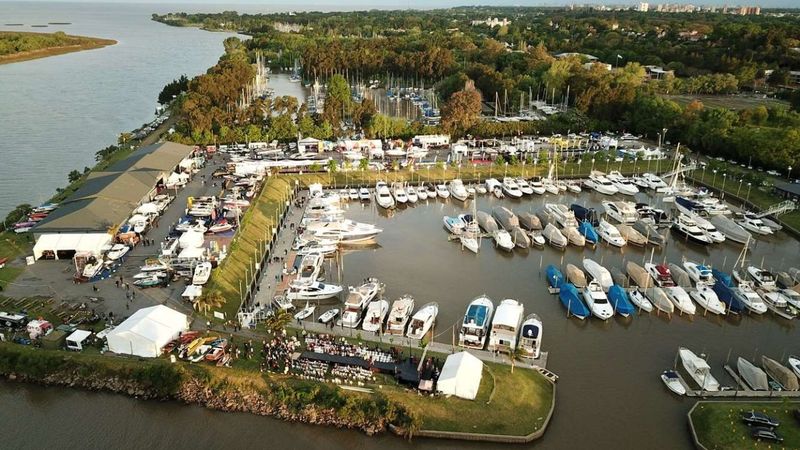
pixel 77 242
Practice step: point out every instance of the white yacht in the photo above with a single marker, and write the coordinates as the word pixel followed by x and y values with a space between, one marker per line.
pixel 537 186
pixel 201 273
pixel 309 269
pixel 610 234
pixel 376 313
pixel 399 315
pixel 601 184
pixel 678 296
pixel 411 193
pixel 503 240
pixel 423 321
pixel 698 369
pixel 384 196
pixel 314 291
pixel 344 231
pixel 524 187
pixel 441 191
pixel 623 184
pixel 597 301
pixel 762 278
pixel 699 273
pixel 749 297
pixel 688 229
pixel 353 194
pixel 561 214
pixel 399 194
pixel 707 226
pixel 530 337
pixel 357 300
pixel 510 188
pixel 117 251
pixel 457 190
pixel 363 194
pixel 622 212
pixel 422 192
pixel 752 223
pixel 598 273
pixel 654 182
pixel 476 322
pixel 506 326
pixel 706 297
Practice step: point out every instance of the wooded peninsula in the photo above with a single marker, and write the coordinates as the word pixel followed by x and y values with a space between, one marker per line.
pixel 23 46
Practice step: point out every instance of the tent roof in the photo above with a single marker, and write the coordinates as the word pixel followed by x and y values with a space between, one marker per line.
pixel 79 335
pixel 157 324
pixel 80 242
pixel 461 375
pixel 507 314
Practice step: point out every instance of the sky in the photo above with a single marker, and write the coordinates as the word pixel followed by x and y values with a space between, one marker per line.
pixel 329 5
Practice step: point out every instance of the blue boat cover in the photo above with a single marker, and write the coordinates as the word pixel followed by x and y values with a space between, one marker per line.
pixel 569 297
pixel 476 314
pixel 588 231
pixel 530 331
pixel 723 277
pixel 619 300
pixel 725 293
pixel 554 276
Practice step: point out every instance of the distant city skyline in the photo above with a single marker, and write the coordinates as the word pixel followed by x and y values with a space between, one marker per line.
pixel 347 5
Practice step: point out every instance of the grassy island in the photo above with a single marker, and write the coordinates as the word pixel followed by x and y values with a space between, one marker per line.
pixel 718 424
pixel 24 46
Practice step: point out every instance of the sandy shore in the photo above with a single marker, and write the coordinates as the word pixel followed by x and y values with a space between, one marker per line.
pixel 90 44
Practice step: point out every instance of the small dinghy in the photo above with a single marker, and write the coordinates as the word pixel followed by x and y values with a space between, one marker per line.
pixel 329 315
pixel 673 382
pixel 305 312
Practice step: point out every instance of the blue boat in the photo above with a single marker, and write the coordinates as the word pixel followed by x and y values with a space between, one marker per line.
pixel 726 294
pixel 554 276
pixel 571 299
pixel 721 276
pixel 588 231
pixel 619 300
pixel 583 213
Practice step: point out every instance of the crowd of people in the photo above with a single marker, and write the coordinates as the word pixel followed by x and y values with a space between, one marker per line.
pixel 276 354
pixel 331 345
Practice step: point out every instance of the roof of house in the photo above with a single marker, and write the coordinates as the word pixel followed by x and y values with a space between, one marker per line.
pixel 792 188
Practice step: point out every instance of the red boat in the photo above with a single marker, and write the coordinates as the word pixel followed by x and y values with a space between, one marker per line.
pixel 3 262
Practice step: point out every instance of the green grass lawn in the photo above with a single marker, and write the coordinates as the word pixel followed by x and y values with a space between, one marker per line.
pixel 718 424
pixel 728 101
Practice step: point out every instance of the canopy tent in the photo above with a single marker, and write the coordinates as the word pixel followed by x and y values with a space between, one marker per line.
pixel 76 340
pixel 461 376
pixel 192 292
pixel 147 208
pixel 147 331
pixel 192 253
pixel 71 243
pixel 191 239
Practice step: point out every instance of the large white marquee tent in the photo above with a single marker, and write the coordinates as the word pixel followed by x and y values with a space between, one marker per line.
pixel 461 376
pixel 147 331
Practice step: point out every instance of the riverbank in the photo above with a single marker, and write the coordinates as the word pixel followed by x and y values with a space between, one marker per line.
pixel 63 44
pixel 718 425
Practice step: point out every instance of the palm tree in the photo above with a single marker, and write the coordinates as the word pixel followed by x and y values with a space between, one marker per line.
pixel 278 321
pixel 515 354
pixel 212 299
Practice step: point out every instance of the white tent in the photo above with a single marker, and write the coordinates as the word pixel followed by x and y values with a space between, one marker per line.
pixel 191 239
pixel 76 242
pixel 76 340
pixel 147 331
pixel 148 208
pixel 461 376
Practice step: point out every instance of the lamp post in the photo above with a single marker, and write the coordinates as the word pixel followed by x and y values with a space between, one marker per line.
pixel 592 166
pixel 714 180
pixel 506 170
pixel 747 200
pixel 789 174
pixel 724 179
pixel 740 186
pixel 704 174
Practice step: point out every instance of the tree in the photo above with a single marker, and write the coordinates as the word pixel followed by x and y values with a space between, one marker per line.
pixel 74 176
pixel 283 128
pixel 461 112
pixel 278 321
pixel 337 102
pixel 208 301
pixel 363 163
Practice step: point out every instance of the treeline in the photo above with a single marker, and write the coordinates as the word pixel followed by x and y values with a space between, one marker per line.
pixel 173 89
pixel 14 42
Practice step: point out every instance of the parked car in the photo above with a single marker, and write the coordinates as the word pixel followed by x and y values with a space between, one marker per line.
pixel 766 434
pixel 759 419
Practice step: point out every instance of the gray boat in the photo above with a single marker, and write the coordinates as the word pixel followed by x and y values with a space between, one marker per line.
pixel 520 237
pixel 554 236
pixel 794 272
pixel 529 221
pixel 784 280
pixel 631 235
pixel 752 375
pixel 680 276
pixel 780 373
pixel 775 226
pixel 639 275
pixel 505 217
pixel 730 229
pixel 659 299
pixel 486 222
pixel 619 277
pixel 576 276
pixel 650 232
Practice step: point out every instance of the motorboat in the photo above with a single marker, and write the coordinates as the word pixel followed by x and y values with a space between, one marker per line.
pixel 537 186
pixel 493 186
pixel 220 226
pixel 457 190
pixel 503 240
pixel 639 275
pixel 454 225
pixel 750 298
pixel 480 189
pixel 536 238
pixel 688 229
pixel 399 194
pixel 699 273
pixel 314 291
pixel 601 184
pixel 432 190
pixel 654 182
pixel 725 292
pixel 510 188
pixel 708 227
pixel 142 275
pixel 554 236
pixel 660 299
pixel 574 187
pixel 376 313
pixel 363 194
pixel 309 269
pixel 588 232
pixel 506 326
pixel 773 225
pixel 583 214
pixel 610 234
pixel 777 303
pixel 475 326
pixel 328 315
pixel 622 212
pixel 411 194
pixel 794 364
pixel 681 299
pixel 598 273
pixel 631 236
pixel 92 268
pixel 619 301
pixel 201 273
pixel 306 312
pixel 705 296
pixel 651 215
pixel 660 273
pixel 623 185
pixel 321 249
pixel 673 382
pixel 562 215
pixel 441 191
pixel 384 196
pixel 554 276
pixel 752 375
pixel 780 374
pixel 422 192
pixel 486 222
pixel 529 221
pixel 576 276
pixel 353 194
pixel 571 299
pixel 524 187
pixel 505 217
pixel 597 301
pixel 698 369
pixel 470 242
pixel 357 300
pixel 530 337
pixel 762 278
pixel 154 266
pixel 649 232
pixel 753 223
pixel 117 251
pixel 637 298
pixel 282 302
pixel 574 236
pixel 344 231
pixel 399 315
pixel 422 321
pixel 732 230
pixel 152 281
pixel 792 297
